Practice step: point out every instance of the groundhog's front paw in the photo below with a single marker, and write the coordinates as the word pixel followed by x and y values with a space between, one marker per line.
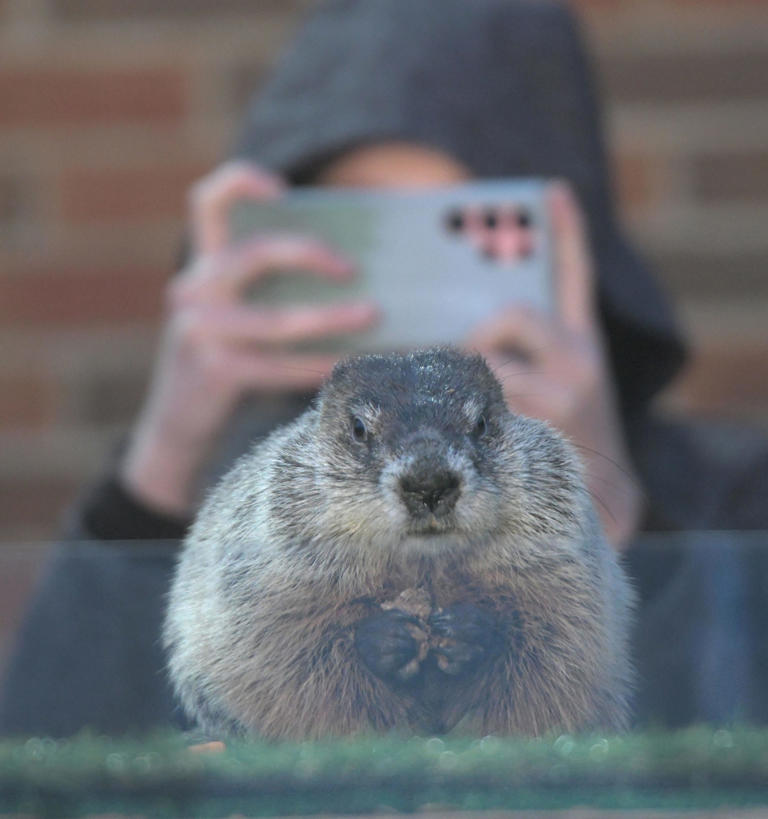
pixel 391 643
pixel 463 636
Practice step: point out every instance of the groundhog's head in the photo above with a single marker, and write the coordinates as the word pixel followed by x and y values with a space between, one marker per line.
pixel 418 453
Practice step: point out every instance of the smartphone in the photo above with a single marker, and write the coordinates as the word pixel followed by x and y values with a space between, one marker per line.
pixel 437 262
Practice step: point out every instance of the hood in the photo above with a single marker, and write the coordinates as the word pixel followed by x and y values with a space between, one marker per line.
pixel 501 85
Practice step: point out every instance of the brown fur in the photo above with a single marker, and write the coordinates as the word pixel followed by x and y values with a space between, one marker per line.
pixel 307 536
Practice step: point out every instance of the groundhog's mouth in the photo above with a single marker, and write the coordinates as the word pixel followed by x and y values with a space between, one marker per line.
pixel 430 526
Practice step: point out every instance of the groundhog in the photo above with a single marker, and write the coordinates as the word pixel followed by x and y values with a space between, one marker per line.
pixel 407 555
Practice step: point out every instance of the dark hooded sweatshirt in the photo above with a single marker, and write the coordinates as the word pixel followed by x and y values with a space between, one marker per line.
pixel 504 87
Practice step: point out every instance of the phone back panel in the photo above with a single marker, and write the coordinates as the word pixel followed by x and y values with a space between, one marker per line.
pixel 437 262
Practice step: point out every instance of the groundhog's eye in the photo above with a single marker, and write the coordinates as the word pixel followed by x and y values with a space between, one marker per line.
pixel 481 427
pixel 359 430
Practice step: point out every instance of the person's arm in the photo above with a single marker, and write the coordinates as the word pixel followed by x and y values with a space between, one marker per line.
pixel 217 346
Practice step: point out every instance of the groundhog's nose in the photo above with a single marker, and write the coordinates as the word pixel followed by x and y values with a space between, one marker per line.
pixel 430 491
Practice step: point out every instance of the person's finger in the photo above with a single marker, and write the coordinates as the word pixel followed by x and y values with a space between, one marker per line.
pixel 278 371
pixel 527 391
pixel 520 330
pixel 573 261
pixel 240 324
pixel 223 276
pixel 211 200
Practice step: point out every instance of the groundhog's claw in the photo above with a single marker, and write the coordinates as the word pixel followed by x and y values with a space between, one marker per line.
pixel 388 643
pixel 463 636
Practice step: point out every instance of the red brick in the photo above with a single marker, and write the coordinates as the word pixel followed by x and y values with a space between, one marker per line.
pixel 14 200
pixel 100 399
pixel 731 176
pixel 26 402
pixel 633 180
pixel 243 83
pixel 48 97
pixel 686 77
pixel 735 275
pixel 33 504
pixel 699 5
pixel 66 298
pixel 113 194
pixel 727 378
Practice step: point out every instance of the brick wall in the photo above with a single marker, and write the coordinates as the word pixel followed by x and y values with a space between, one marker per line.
pixel 110 108
pixel 686 91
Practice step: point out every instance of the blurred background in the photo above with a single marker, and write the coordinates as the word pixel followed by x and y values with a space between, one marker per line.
pixel 109 109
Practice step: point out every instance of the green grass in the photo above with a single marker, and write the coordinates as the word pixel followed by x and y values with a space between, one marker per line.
pixel 158 775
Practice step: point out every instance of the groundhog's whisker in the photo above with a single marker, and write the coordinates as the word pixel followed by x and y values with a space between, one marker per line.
pixel 518 373
pixel 593 476
pixel 602 455
pixel 516 362
pixel 602 503
pixel 518 395
pixel 523 357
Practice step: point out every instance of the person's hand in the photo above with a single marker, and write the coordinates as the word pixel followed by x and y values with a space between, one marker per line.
pixel 216 345
pixel 555 369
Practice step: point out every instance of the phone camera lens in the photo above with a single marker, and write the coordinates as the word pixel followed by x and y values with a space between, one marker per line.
pixel 524 218
pixel 490 219
pixel 454 220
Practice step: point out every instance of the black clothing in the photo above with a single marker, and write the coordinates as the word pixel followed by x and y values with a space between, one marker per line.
pixel 89 651
pixel 503 86
pixel 110 512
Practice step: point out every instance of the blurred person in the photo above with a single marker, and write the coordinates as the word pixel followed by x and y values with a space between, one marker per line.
pixel 386 93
